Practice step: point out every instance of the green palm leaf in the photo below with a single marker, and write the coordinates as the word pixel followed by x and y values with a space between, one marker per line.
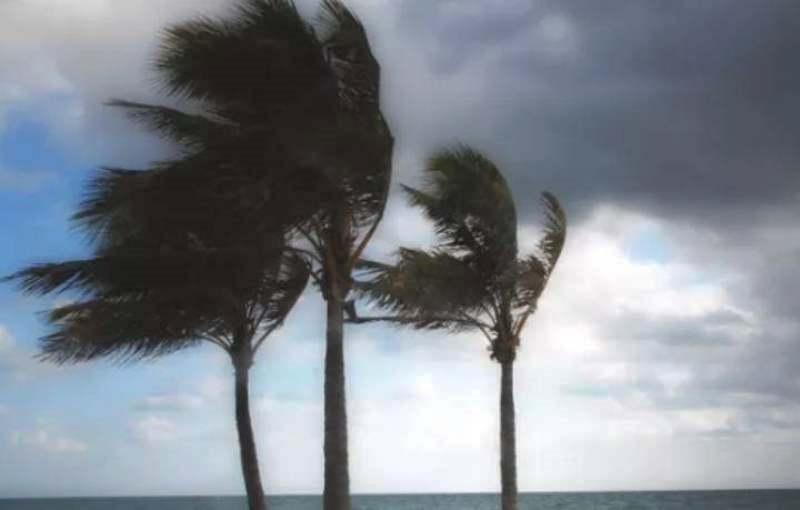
pixel 430 289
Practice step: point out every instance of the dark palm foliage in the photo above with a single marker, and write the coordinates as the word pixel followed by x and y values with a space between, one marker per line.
pixel 285 136
pixel 472 279
pixel 289 114
pixel 138 306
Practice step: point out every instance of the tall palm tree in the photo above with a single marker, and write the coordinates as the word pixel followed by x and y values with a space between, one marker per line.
pixel 355 189
pixel 289 138
pixel 473 278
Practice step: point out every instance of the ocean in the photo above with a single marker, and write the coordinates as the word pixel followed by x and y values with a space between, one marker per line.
pixel 700 500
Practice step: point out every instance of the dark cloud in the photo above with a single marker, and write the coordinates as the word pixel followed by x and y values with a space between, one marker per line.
pixel 686 109
pixel 456 32
pixel 718 328
pixel 753 377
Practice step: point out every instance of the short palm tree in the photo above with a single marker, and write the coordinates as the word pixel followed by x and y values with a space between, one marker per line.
pixel 472 279
pixel 136 302
pixel 286 136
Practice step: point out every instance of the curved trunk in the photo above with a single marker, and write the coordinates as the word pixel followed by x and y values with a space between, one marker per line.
pixel 508 439
pixel 247 444
pixel 337 478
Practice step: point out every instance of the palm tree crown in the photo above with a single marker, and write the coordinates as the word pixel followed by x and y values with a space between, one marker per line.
pixel 285 129
pixel 472 278
pixel 136 306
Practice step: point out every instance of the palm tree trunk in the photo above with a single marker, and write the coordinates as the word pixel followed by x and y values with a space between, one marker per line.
pixel 247 444
pixel 508 439
pixel 337 478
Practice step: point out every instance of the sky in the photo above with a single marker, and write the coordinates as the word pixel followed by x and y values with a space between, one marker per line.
pixel 664 354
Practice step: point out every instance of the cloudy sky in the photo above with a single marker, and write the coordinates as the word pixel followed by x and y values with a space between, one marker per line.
pixel 664 355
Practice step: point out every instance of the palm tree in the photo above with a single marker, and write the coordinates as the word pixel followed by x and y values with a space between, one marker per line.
pixel 137 303
pixel 318 104
pixel 290 138
pixel 472 279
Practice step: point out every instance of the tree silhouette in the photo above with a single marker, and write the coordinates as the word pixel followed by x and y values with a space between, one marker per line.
pixel 282 139
pixel 472 279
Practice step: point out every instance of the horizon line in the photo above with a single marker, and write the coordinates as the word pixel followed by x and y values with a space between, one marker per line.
pixel 370 494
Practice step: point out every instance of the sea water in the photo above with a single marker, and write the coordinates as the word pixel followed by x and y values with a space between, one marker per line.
pixel 696 500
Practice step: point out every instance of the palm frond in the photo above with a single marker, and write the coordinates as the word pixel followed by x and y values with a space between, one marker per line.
pixel 131 271
pixel 108 198
pixel 279 292
pixel 189 130
pixel 451 227
pixel 79 275
pixel 370 267
pixel 531 277
pixel 260 57
pixel 349 54
pixel 260 191
pixel 426 289
pixel 137 307
pixel 534 272
pixel 472 209
pixel 555 230
pixel 121 331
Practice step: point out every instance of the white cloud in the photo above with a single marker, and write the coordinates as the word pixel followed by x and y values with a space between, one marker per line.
pixel 171 402
pixel 155 429
pixel 55 57
pixel 390 439
pixel 17 361
pixel 215 387
pixel 202 395
pixel 609 342
pixel 45 440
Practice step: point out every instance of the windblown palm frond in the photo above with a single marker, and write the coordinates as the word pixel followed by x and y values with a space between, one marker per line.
pixel 186 196
pixel 129 273
pixel 264 56
pixel 132 303
pixel 555 230
pixel 534 271
pixel 281 289
pixel 471 207
pixel 531 277
pixel 349 55
pixel 192 131
pixel 125 330
pixel 432 290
